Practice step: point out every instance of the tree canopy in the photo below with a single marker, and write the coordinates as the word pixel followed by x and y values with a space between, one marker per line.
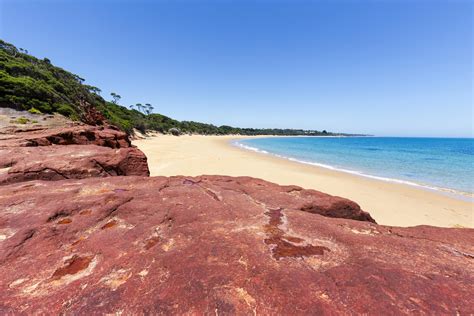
pixel 29 83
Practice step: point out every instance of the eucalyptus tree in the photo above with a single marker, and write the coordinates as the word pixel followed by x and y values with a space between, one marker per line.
pixel 139 107
pixel 149 108
pixel 115 97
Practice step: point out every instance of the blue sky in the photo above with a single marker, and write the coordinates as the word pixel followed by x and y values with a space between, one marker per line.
pixel 398 68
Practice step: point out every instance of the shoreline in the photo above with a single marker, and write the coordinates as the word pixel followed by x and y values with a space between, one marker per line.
pixel 390 203
pixel 461 195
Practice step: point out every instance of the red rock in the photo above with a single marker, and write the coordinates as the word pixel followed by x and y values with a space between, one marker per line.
pixel 69 162
pixel 40 153
pixel 218 245
pixel 91 115
pixel 77 135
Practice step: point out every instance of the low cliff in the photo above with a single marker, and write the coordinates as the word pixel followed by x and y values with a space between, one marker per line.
pixel 70 152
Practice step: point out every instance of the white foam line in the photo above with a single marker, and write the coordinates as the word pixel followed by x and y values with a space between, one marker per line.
pixel 250 148
pixel 358 173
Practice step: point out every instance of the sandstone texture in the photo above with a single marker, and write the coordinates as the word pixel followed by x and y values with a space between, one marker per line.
pixel 218 245
pixel 69 135
pixel 84 230
pixel 68 152
pixel 18 164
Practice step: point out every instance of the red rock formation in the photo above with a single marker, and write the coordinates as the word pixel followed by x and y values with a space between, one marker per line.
pixel 41 154
pixel 91 115
pixel 77 135
pixel 206 245
pixel 19 164
pixel 218 245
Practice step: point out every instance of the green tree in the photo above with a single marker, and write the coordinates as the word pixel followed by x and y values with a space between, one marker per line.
pixel 139 107
pixel 93 89
pixel 149 108
pixel 115 97
pixel 29 83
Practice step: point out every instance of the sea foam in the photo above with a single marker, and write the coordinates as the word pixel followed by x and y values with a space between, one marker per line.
pixel 278 152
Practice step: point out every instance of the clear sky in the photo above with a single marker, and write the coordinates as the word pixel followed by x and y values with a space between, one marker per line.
pixel 398 68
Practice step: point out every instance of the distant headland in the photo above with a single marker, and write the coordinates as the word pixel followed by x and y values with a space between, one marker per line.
pixel 37 86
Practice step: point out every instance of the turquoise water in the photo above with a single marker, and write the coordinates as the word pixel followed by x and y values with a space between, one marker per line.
pixel 437 163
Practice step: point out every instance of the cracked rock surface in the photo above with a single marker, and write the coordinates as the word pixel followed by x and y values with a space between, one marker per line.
pixel 67 135
pixel 18 164
pixel 72 152
pixel 218 245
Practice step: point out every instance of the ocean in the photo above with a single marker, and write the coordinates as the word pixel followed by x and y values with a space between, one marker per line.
pixel 445 164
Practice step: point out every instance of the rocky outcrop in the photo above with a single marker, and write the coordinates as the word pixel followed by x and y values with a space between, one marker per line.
pixel 41 154
pixel 72 135
pixel 19 164
pixel 218 245
pixel 85 244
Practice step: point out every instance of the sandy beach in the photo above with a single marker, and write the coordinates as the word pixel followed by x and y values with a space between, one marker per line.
pixel 389 203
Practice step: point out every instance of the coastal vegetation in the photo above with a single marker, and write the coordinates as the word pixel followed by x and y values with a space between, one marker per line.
pixel 22 120
pixel 36 85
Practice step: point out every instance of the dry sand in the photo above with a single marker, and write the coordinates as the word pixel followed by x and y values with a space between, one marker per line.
pixel 389 203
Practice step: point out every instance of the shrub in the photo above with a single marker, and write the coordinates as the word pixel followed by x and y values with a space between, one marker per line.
pixel 34 111
pixel 28 83
pixel 65 110
pixel 20 120
pixel 174 131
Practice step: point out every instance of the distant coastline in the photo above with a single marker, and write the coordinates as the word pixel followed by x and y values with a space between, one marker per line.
pixel 390 203
pixel 439 164
pixel 66 93
pixel 465 196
